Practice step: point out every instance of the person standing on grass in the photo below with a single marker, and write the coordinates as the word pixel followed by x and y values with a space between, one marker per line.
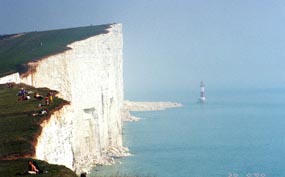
pixel 50 98
pixel 47 100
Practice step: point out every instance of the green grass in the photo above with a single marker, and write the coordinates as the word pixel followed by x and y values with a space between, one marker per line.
pixel 16 51
pixel 19 130
pixel 18 127
pixel 9 168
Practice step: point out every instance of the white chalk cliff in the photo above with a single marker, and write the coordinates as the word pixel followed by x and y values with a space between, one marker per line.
pixel 89 75
pixel 15 77
pixel 87 131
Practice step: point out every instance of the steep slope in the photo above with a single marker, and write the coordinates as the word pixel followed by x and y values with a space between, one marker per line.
pixel 19 130
pixel 89 75
pixel 19 126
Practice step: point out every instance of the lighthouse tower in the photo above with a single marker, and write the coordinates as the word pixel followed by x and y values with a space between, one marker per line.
pixel 202 92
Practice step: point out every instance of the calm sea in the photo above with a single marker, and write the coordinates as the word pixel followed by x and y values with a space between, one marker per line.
pixel 237 133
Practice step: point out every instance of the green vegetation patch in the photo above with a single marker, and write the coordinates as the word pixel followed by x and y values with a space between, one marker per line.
pixel 9 168
pixel 18 49
pixel 20 120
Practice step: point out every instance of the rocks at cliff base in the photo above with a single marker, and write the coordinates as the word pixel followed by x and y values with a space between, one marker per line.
pixel 127 117
pixel 109 157
pixel 149 106
pixel 116 151
pixel 144 106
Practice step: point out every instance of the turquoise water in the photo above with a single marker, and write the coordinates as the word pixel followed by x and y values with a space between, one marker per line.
pixel 237 133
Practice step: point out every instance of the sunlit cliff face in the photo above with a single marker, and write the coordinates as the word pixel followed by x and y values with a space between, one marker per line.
pixel 89 75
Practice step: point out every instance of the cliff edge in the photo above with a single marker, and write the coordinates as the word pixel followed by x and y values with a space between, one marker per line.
pixel 88 131
pixel 89 76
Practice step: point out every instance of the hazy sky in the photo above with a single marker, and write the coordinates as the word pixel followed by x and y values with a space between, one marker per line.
pixel 172 45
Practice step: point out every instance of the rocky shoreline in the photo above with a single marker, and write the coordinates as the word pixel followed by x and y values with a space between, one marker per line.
pixel 112 153
pixel 145 106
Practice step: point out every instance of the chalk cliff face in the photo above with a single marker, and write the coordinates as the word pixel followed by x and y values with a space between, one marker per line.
pixel 10 78
pixel 89 75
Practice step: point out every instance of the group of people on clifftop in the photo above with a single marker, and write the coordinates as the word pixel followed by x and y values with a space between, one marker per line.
pixel 24 95
pixel 48 99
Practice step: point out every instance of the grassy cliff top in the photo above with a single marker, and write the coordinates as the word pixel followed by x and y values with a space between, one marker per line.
pixel 19 130
pixel 18 49
pixel 9 168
